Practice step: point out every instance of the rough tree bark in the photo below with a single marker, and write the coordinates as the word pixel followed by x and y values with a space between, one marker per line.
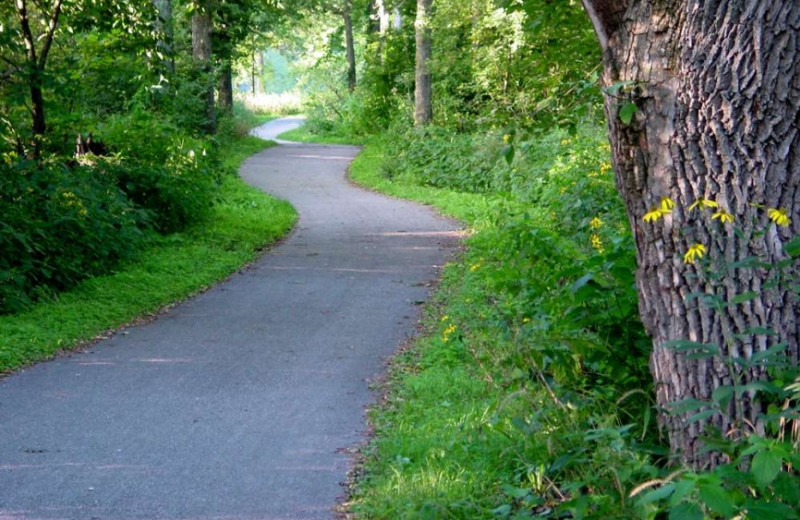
pixel 37 61
pixel 423 108
pixel 201 52
pixel 716 84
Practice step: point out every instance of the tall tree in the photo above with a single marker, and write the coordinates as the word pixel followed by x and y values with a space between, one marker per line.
pixel 201 52
pixel 702 108
pixel 36 58
pixel 423 103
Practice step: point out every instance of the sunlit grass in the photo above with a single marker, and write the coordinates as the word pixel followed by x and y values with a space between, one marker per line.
pixel 286 103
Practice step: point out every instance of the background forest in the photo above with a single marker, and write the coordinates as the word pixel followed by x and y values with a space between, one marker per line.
pixel 530 394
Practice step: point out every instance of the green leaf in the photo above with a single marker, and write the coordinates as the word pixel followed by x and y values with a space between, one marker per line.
pixel 686 511
pixel 773 352
pixel 614 89
pixel 700 416
pixel 761 510
pixel 792 247
pixel 627 111
pixel 659 493
pixel 765 467
pixel 744 297
pixel 686 405
pixel 716 498
pixel 722 395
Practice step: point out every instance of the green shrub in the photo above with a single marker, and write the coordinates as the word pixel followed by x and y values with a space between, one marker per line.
pixel 60 225
pixel 171 175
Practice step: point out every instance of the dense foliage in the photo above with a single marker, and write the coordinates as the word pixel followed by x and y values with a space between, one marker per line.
pixel 103 139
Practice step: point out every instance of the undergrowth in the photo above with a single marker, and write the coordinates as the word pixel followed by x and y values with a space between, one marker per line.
pixel 528 394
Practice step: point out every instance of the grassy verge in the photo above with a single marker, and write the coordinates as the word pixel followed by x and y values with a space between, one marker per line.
pixel 303 135
pixel 507 405
pixel 173 268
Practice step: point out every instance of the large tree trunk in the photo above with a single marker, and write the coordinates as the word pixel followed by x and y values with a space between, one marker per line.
pixel 349 45
pixel 201 52
pixel 716 84
pixel 423 108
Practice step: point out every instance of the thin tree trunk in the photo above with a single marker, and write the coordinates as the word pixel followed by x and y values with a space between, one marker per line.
pixel 37 63
pixel 349 45
pixel 717 88
pixel 225 87
pixel 423 109
pixel 166 34
pixel 201 51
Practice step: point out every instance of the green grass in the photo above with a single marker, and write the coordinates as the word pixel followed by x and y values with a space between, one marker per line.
pixel 243 223
pixel 303 135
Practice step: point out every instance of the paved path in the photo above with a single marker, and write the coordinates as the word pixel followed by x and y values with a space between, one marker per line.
pixel 235 405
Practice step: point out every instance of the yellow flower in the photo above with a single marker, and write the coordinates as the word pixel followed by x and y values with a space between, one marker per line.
pixel 654 214
pixel 445 318
pixel 664 207
pixel 695 251
pixel 597 244
pixel 448 332
pixel 779 216
pixel 703 203
pixel 723 216
pixel 595 223
pixel 474 267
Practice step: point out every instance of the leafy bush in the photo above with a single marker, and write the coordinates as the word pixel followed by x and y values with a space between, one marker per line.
pixel 169 174
pixel 59 226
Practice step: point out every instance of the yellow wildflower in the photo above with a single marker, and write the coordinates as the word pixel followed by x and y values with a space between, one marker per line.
pixel 597 244
pixel 695 252
pixel 474 267
pixel 703 203
pixel 448 332
pixel 723 216
pixel 664 207
pixel 506 138
pixel 779 216
pixel 595 223
pixel 654 214
pixel 667 204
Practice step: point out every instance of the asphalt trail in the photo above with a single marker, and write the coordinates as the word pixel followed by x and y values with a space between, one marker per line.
pixel 235 405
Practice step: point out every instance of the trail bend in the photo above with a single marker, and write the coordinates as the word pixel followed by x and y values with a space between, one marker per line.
pixel 237 404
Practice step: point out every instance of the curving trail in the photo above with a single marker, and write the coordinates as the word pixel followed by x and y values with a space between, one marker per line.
pixel 237 404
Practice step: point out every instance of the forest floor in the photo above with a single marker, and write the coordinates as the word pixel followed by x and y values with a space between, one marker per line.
pixel 240 403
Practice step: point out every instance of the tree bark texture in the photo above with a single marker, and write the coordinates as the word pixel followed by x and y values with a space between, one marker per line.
pixel 350 48
pixel 201 52
pixel 423 107
pixel 716 84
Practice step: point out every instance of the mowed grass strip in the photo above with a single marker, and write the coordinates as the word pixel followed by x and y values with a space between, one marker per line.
pixel 242 224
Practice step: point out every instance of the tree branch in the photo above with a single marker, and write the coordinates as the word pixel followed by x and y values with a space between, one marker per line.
pixel 22 13
pixel 51 29
pixel 606 16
